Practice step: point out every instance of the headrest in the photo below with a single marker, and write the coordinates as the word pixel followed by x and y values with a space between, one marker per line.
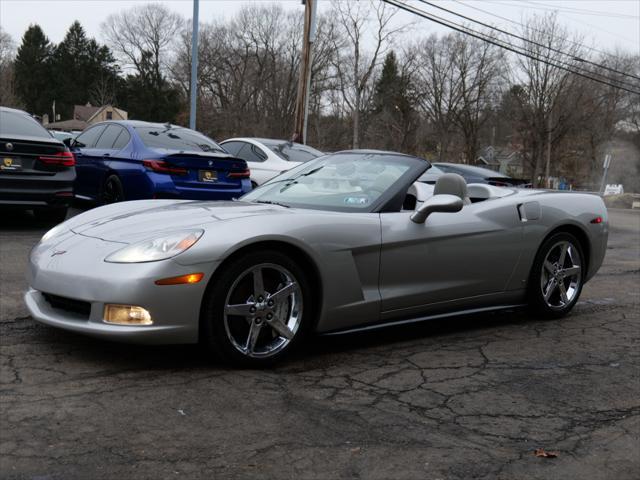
pixel 452 184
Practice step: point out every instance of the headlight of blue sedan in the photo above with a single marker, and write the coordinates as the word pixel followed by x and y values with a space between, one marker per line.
pixel 155 249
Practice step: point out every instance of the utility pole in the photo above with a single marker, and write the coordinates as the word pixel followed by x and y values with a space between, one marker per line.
pixel 194 67
pixel 605 166
pixel 304 82
pixel 548 167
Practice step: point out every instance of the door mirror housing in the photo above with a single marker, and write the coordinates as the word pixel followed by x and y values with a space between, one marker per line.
pixel 68 142
pixel 437 203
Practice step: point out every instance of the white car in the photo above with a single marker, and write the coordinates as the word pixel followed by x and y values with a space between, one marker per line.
pixel 267 157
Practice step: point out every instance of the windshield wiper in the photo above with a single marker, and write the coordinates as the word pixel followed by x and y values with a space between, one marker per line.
pixel 269 202
pixel 294 180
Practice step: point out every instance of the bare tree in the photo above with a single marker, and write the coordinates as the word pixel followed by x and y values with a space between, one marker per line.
pixel 7 52
pixel 476 64
pixel 355 65
pixel 142 36
pixel 543 87
pixel 437 87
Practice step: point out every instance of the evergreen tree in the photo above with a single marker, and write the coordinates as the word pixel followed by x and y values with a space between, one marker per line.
pixel 149 96
pixel 393 106
pixel 80 65
pixel 32 69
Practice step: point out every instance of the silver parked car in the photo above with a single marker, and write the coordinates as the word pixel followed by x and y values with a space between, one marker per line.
pixel 346 242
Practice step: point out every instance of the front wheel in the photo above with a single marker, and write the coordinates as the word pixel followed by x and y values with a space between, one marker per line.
pixel 257 310
pixel 557 276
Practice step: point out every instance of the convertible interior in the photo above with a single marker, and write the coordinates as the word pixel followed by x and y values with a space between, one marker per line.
pixel 451 184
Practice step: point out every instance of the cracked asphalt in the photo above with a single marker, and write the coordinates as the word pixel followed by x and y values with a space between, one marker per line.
pixel 457 399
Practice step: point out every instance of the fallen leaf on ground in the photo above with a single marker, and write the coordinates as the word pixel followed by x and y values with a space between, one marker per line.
pixel 541 452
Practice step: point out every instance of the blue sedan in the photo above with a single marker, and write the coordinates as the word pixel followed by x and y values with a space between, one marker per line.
pixel 132 160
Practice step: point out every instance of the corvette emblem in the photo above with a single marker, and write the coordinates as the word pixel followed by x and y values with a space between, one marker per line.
pixel 7 162
pixel 9 146
pixel 58 252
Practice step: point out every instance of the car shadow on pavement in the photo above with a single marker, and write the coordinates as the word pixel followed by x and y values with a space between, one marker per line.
pixel 315 353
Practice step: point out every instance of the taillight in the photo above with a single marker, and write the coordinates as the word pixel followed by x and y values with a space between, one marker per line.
pixel 160 166
pixel 60 159
pixel 241 174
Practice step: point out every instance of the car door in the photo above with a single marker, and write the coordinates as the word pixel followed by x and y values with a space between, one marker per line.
pixel 106 153
pixel 452 261
pixel 85 152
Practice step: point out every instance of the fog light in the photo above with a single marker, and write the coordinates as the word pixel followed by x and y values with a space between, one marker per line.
pixel 126 315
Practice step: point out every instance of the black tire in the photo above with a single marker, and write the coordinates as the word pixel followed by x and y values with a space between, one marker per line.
pixel 555 306
pixel 111 191
pixel 216 332
pixel 51 215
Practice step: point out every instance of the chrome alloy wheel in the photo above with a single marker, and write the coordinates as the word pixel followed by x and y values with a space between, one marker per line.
pixel 561 276
pixel 263 310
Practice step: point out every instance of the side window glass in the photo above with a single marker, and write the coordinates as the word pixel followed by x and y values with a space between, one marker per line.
pixel 122 140
pixel 260 155
pixel 247 154
pixel 233 147
pixel 108 137
pixel 88 138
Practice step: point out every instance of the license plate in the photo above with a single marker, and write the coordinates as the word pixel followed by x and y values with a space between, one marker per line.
pixel 10 164
pixel 208 176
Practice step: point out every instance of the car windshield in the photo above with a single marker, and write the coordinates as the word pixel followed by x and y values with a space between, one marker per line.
pixel 345 182
pixel 176 138
pixel 292 152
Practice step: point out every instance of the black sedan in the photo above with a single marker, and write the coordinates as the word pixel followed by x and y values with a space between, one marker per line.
pixel 473 174
pixel 36 170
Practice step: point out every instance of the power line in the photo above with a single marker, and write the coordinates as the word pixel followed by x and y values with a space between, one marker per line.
pixel 509 47
pixel 521 25
pixel 581 60
pixel 577 11
pixel 582 22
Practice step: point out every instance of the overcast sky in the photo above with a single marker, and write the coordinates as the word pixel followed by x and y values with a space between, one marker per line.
pixel 605 24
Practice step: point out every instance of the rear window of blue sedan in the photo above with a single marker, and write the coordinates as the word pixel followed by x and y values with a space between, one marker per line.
pixel 180 139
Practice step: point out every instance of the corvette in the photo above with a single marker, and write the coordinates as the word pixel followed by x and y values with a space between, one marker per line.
pixel 345 242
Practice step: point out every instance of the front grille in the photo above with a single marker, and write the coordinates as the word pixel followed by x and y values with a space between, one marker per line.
pixel 68 304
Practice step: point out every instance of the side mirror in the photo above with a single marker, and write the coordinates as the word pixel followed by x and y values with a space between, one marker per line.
pixel 437 203
pixel 68 142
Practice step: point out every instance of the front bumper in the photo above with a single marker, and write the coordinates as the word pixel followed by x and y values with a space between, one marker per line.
pixel 80 274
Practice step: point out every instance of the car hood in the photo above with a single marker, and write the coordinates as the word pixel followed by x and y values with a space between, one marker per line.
pixel 130 222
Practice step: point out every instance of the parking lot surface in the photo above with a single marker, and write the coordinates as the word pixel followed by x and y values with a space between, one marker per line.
pixel 461 398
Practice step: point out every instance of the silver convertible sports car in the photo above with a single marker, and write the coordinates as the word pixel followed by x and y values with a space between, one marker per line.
pixel 345 242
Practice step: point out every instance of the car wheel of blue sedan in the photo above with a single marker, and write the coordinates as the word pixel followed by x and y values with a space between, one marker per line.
pixel 257 310
pixel 112 190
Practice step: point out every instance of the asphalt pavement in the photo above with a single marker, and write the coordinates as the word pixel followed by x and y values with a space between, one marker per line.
pixel 461 398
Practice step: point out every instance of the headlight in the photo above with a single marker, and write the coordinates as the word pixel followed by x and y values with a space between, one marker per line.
pixel 159 248
pixel 54 232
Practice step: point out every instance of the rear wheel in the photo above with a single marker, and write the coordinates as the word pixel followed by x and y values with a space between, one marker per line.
pixel 51 215
pixel 257 310
pixel 112 190
pixel 557 276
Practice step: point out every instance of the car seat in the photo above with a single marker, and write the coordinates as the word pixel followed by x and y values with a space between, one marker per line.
pixel 452 184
